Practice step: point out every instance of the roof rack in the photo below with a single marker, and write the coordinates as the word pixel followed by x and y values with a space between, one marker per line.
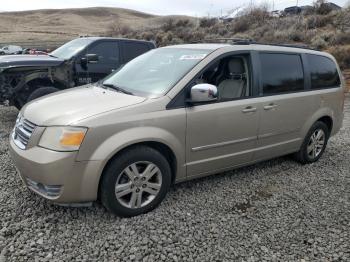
pixel 247 41
pixel 232 41
pixel 287 45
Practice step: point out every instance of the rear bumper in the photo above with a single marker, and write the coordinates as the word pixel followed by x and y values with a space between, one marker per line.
pixel 57 176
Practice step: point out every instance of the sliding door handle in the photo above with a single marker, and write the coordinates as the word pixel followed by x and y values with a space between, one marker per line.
pixel 249 109
pixel 270 107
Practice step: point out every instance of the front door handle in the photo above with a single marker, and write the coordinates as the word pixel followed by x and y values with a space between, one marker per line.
pixel 270 106
pixel 249 109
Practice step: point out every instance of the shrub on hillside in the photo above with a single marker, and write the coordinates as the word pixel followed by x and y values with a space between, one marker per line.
pixel 318 31
pixel 318 21
pixel 241 24
pixel 342 20
pixel 257 14
pixel 342 54
pixel 115 29
pixel 183 23
pixel 208 22
pixel 168 25
pixel 318 42
pixel 340 39
pixel 321 7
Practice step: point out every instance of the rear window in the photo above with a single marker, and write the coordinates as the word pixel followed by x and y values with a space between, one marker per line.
pixel 324 73
pixel 281 73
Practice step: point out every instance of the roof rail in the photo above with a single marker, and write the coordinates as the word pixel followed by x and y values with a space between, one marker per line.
pixel 247 41
pixel 232 41
pixel 287 45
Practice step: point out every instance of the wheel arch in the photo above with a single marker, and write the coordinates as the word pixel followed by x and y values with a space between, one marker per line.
pixel 46 82
pixel 156 145
pixel 325 115
pixel 328 121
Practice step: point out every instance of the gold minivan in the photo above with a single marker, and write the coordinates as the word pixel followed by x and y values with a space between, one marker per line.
pixel 174 114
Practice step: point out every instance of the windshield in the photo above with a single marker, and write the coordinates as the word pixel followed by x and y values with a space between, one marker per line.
pixel 157 71
pixel 70 49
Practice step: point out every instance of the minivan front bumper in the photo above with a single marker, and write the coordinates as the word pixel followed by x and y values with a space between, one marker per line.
pixel 57 176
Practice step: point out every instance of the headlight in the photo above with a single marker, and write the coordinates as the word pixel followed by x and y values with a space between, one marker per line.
pixel 63 138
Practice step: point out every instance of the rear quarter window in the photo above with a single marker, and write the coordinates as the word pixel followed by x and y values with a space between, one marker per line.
pixel 324 73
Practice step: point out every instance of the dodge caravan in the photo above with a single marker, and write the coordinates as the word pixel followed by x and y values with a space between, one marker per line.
pixel 174 114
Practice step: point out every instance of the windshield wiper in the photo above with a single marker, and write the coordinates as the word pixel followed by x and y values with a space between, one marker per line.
pixel 118 89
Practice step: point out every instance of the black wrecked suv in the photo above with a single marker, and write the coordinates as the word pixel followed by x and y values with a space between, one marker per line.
pixel 78 62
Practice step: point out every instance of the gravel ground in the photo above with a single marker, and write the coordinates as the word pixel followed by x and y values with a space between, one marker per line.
pixel 277 210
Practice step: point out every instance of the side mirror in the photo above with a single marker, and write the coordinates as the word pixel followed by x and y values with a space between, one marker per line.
pixel 204 93
pixel 89 59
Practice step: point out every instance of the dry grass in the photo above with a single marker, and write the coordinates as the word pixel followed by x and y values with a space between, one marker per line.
pixel 64 24
pixel 346 74
pixel 328 31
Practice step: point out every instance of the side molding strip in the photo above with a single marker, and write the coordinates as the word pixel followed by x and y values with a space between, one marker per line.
pixel 228 143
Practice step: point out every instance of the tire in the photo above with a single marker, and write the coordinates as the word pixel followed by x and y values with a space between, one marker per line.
pixel 18 104
pixel 42 91
pixel 304 155
pixel 133 195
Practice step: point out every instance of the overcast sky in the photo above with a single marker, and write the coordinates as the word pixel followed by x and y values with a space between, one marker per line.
pixel 161 7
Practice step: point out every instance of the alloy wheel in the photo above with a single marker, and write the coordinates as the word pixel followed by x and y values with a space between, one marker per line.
pixel 138 184
pixel 316 143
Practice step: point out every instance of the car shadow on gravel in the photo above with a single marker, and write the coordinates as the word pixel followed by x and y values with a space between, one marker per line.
pixel 53 213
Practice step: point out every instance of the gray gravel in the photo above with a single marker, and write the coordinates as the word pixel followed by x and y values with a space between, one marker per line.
pixel 276 210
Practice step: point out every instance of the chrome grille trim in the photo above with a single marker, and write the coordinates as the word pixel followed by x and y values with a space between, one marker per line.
pixel 47 191
pixel 22 132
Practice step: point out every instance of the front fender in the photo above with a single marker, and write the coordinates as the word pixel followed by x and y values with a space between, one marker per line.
pixel 121 140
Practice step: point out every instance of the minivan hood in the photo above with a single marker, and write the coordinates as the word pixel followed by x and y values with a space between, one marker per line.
pixel 29 60
pixel 70 106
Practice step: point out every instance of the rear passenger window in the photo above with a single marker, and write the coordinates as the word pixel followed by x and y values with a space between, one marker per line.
pixel 324 73
pixel 131 50
pixel 281 73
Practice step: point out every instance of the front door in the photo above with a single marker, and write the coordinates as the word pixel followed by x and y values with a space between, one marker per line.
pixel 223 134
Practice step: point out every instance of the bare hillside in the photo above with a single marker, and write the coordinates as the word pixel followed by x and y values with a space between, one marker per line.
pixel 64 24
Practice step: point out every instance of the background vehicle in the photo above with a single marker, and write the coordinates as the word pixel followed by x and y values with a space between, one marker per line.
pixel 81 61
pixel 175 114
pixel 10 50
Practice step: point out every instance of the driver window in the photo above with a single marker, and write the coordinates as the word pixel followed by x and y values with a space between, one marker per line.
pixel 230 75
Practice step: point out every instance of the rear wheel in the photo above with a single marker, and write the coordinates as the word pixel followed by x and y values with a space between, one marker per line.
pixel 135 182
pixel 314 144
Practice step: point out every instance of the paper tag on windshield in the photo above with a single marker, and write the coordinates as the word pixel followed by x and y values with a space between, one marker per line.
pixel 193 57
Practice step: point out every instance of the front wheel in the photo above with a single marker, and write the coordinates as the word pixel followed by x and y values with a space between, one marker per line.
pixel 23 98
pixel 314 144
pixel 135 182
pixel 42 91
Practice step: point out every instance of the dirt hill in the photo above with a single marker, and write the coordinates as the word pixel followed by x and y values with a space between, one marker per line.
pixel 319 28
pixel 64 24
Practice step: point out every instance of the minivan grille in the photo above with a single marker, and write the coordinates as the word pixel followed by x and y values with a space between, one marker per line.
pixel 22 132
